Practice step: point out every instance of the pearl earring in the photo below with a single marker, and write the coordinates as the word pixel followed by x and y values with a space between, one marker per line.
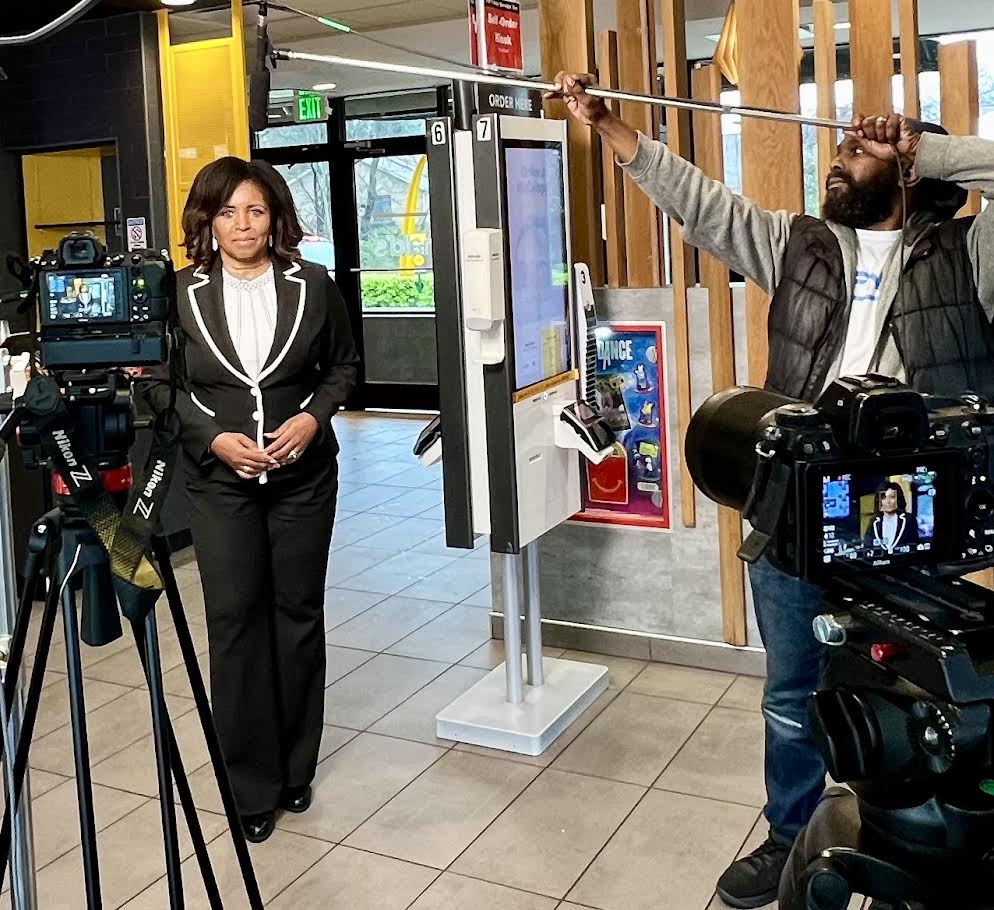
pixel 213 243
pixel 270 241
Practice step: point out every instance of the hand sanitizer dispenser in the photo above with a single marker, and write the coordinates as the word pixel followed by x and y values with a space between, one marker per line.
pixel 483 297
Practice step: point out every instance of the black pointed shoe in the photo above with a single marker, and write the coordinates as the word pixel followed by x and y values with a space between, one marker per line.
pixel 258 828
pixel 296 799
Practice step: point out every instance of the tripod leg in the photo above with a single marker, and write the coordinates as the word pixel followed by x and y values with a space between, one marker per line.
pixel 186 800
pixel 33 699
pixel 148 643
pixel 37 544
pixel 81 748
pixel 161 552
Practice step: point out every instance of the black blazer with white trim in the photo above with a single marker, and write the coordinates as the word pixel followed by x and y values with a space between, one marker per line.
pixel 311 367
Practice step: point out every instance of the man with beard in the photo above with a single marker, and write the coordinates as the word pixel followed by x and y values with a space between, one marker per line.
pixel 849 298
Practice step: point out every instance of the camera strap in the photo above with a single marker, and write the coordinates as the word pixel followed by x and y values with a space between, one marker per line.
pixel 770 485
pixel 136 580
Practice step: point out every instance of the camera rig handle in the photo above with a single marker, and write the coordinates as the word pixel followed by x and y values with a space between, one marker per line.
pixel 767 496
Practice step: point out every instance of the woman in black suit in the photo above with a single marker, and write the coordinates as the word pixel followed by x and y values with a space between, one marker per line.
pixel 267 359
pixel 892 525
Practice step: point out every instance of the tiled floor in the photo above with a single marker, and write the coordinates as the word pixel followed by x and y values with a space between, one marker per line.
pixel 640 805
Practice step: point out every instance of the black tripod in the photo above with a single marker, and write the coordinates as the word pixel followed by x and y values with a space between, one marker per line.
pixel 78 561
pixel 915 858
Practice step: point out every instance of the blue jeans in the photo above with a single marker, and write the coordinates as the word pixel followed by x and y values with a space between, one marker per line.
pixel 795 772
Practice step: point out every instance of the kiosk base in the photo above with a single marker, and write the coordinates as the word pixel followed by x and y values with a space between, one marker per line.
pixel 484 717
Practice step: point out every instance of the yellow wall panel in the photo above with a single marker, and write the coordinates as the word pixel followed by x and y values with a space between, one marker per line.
pixel 204 111
pixel 62 188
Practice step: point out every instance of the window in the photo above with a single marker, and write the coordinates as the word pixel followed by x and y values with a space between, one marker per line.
pixel 394 227
pixel 310 186
pixel 359 129
pixel 277 137
pixel 930 110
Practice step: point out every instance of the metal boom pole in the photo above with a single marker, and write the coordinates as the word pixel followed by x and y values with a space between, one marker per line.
pixel 468 75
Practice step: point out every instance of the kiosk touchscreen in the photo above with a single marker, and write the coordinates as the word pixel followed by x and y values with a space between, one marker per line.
pixel 540 275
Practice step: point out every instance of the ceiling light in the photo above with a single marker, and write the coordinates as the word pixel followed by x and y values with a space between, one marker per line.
pixel 178 2
pixel 325 86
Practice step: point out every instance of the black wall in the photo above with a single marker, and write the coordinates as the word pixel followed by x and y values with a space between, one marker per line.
pixel 11 216
pixel 96 82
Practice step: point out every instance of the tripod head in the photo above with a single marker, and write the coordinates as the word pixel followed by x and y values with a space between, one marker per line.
pixel 904 714
pixel 82 424
pixel 97 409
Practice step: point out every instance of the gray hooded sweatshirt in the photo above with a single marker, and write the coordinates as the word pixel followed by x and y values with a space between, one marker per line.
pixel 752 241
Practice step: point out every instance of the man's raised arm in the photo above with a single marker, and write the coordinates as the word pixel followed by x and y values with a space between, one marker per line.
pixel 747 238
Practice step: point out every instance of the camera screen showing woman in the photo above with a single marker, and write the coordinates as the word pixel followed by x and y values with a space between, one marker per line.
pixel 267 360
pixel 892 527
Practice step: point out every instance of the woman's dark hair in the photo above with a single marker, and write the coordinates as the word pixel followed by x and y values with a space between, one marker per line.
pixel 214 186
pixel 902 500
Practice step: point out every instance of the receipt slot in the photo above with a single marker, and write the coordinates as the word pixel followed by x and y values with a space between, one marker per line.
pixel 515 422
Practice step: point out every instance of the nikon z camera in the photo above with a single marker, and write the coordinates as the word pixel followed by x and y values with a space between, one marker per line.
pixel 875 475
pixel 885 498
pixel 102 311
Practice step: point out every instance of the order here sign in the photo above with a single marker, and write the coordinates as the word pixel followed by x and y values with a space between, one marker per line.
pixel 503 35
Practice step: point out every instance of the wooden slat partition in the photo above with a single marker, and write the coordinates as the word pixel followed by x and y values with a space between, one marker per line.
pixel 825 76
pixel 673 23
pixel 871 56
pixel 566 34
pixel 637 73
pixel 771 152
pixel 910 57
pixel 614 187
pixel 706 86
pixel 959 97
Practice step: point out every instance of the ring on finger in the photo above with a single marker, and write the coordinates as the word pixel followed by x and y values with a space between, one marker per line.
pixel 293 454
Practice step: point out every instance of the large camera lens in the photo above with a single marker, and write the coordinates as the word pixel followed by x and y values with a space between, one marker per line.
pixel 721 442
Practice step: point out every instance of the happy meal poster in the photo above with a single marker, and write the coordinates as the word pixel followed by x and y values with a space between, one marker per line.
pixel 632 485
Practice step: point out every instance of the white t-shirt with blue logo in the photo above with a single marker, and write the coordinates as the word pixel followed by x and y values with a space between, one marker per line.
pixel 866 318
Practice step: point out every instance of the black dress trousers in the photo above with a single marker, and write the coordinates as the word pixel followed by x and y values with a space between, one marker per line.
pixel 263 551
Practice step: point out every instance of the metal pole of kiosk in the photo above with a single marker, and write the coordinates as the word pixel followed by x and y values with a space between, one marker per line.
pixel 521 597
pixel 22 866
pixel 514 589
pixel 533 616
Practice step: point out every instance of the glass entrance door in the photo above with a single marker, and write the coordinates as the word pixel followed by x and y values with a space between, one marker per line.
pixel 310 186
pixel 394 228
pixel 394 273
pixel 360 186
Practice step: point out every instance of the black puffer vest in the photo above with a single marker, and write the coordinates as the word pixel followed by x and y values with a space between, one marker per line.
pixel 939 326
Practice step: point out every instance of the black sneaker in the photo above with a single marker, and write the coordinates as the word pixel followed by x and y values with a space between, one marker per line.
pixel 754 880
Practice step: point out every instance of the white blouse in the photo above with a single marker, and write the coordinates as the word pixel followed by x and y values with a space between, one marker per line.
pixel 250 309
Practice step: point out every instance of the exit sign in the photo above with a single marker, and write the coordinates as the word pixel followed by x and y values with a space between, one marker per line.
pixel 310 107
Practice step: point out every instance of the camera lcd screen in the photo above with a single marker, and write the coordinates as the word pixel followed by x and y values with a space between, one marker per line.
pixel 882 512
pixel 536 230
pixel 84 295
